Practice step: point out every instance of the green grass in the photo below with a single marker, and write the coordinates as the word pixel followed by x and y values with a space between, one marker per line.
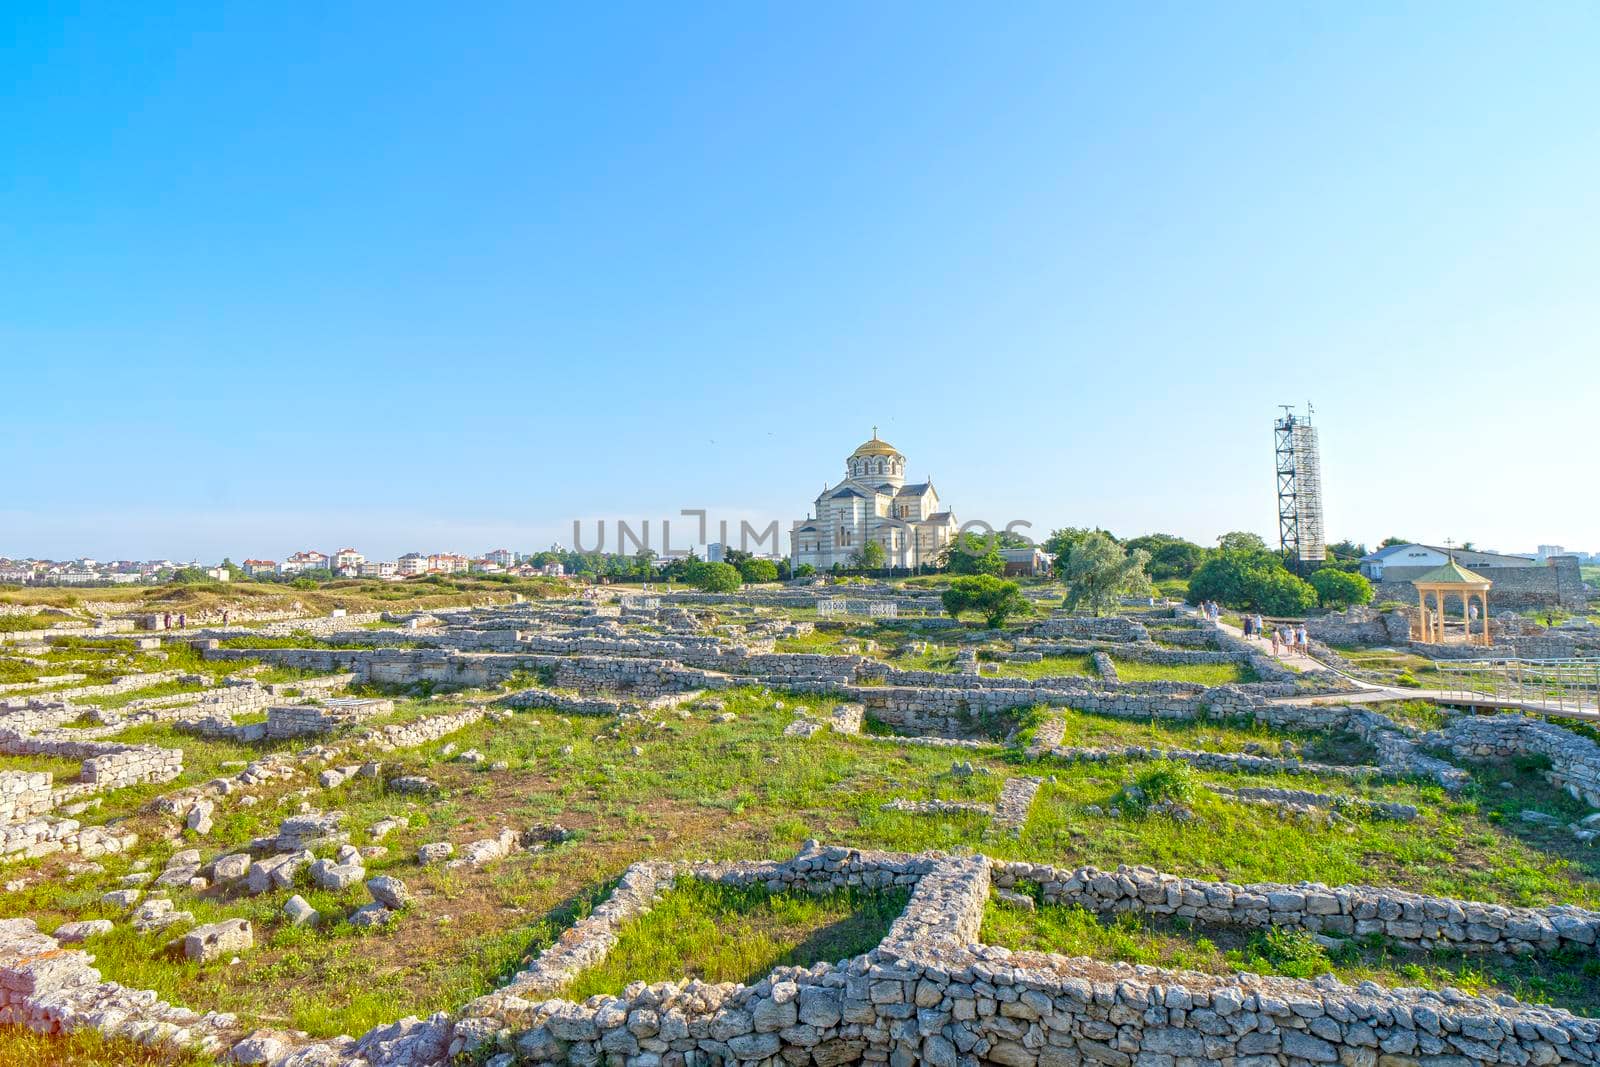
pixel 1206 674
pixel 1081 729
pixel 725 933
pixel 735 790
pixel 20 1047
pixel 160 689
pixel 1073 666
pixel 1569 980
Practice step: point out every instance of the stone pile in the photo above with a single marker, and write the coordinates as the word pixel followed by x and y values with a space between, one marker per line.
pixel 1239 762
pixel 1305 802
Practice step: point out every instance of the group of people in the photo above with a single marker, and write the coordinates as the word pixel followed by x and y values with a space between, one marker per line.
pixel 1284 638
pixel 183 620
pixel 1211 609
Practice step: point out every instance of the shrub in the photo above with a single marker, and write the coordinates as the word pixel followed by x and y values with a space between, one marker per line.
pixel 994 599
pixel 1288 951
pixel 1169 781
pixel 1341 589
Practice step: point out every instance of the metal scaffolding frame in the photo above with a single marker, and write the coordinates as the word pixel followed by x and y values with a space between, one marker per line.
pixel 1299 469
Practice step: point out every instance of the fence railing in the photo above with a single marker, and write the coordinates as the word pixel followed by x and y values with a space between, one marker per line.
pixel 1567 685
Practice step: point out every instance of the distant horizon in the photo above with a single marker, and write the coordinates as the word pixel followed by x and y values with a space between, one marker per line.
pixel 275 279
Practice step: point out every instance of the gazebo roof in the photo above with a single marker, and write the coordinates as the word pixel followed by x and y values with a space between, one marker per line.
pixel 1452 573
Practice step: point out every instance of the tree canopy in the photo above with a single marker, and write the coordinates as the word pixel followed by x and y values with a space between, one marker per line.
pixel 758 570
pixel 1097 572
pixel 1251 580
pixel 713 577
pixel 1170 556
pixel 1241 541
pixel 869 557
pixel 993 598
pixel 1341 589
pixel 971 554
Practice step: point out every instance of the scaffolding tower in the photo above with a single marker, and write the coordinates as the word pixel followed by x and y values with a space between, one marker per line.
pixel 1300 532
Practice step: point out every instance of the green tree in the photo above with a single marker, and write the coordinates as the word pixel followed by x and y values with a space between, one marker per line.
pixel 869 557
pixel 714 577
pixel 805 570
pixel 1170 557
pixel 784 570
pixel 1097 572
pixel 1251 580
pixel 1390 542
pixel 1282 593
pixel 993 598
pixel 188 576
pixel 1241 541
pixel 1341 589
pixel 1347 549
pixel 758 570
pixel 971 554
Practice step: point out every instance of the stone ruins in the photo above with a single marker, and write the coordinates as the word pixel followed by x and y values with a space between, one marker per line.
pixel 930 992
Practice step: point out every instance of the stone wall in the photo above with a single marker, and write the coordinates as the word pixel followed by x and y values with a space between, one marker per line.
pixel 23 794
pixel 1574 760
pixel 1411 920
pixel 929 993
pixel 87 693
pixel 1555 584
pixel 314 720
pixel 132 765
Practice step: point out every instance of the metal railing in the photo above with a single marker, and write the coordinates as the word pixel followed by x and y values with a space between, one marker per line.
pixel 1559 685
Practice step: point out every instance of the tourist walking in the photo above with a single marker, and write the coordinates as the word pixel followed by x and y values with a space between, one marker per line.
pixel 183 620
pixel 1274 641
pixel 166 620
pixel 1302 639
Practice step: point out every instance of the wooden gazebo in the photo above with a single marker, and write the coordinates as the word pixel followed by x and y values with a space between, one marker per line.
pixel 1452 579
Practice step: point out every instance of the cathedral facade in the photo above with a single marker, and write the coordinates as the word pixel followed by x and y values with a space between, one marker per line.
pixel 874 504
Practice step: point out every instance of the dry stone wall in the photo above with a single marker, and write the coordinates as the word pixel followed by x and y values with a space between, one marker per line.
pixel 1574 760
pixel 1410 919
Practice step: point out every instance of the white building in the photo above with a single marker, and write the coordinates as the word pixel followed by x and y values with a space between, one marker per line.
pixel 378 568
pixel 874 503
pixel 348 561
pixel 501 557
pixel 310 560
pixel 412 563
pixel 1403 562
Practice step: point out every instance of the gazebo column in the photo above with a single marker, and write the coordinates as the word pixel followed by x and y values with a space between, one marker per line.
pixel 1422 615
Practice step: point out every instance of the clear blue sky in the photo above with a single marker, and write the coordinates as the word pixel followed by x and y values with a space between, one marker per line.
pixel 397 277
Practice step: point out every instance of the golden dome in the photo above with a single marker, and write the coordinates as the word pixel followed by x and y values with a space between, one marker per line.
pixel 875 447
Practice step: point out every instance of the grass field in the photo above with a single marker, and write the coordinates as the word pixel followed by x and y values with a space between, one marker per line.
pixel 739 934
pixel 697 787
pixel 733 790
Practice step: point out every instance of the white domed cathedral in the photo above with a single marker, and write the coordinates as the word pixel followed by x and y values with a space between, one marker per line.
pixel 874 503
